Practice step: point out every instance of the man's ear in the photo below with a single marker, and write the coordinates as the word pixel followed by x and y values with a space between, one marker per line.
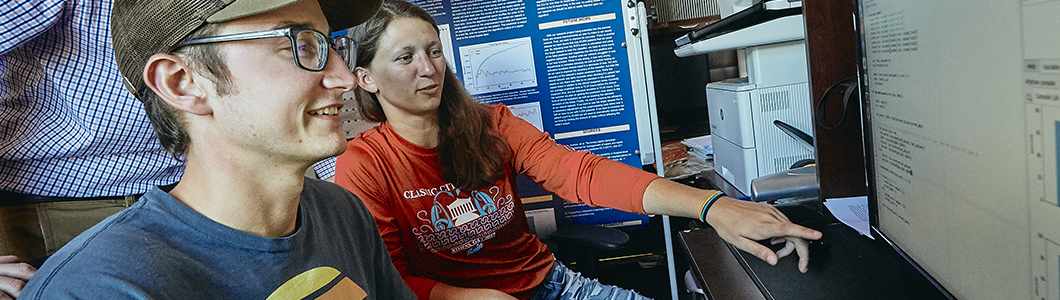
pixel 364 80
pixel 172 80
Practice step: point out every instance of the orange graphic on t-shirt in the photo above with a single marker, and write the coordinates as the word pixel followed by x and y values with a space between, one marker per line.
pixel 311 281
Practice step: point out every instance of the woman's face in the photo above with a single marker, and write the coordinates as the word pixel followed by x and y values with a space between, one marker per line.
pixel 408 69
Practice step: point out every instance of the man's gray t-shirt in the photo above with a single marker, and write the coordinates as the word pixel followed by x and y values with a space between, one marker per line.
pixel 160 249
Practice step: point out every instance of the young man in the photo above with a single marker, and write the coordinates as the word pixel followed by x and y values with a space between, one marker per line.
pixel 58 177
pixel 248 92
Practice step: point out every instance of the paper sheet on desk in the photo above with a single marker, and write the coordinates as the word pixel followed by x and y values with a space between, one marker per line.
pixel 700 147
pixel 853 211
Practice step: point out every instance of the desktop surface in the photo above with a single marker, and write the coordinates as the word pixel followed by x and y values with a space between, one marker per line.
pixel 843 265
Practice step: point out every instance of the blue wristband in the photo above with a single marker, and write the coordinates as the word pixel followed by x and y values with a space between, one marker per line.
pixel 706 205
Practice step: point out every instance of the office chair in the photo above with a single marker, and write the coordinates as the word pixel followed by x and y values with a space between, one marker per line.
pixel 584 243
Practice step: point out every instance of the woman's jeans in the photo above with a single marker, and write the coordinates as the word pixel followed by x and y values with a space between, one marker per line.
pixel 563 284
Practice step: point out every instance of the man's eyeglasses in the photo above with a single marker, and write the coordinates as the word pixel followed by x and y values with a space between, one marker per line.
pixel 310 46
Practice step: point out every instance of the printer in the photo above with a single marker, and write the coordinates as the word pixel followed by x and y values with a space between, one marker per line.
pixel 743 111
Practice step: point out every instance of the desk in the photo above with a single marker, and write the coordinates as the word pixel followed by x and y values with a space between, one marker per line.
pixel 843 265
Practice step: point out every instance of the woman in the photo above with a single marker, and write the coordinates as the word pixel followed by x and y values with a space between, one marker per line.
pixel 438 175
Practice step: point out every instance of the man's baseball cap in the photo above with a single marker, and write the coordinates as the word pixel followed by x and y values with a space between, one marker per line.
pixel 141 28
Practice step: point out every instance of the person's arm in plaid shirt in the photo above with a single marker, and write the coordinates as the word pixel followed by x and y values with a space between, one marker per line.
pixel 21 21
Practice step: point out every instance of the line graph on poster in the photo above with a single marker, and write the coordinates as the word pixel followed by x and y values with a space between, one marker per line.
pixel 498 66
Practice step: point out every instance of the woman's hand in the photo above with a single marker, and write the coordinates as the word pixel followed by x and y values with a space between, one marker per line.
pixel 443 291
pixel 13 276
pixel 743 223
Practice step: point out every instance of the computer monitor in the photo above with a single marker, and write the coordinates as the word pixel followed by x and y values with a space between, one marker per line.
pixel 961 110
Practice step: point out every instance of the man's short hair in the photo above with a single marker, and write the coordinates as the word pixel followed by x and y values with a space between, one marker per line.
pixel 167 121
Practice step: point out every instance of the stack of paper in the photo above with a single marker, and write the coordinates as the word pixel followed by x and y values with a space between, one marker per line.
pixel 700 147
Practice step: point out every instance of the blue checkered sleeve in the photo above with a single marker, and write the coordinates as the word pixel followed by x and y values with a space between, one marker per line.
pixel 68 127
pixel 20 21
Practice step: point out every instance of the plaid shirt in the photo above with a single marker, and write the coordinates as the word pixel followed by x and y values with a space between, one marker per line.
pixel 68 128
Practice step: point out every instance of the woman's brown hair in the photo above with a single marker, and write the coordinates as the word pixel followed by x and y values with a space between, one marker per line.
pixel 471 153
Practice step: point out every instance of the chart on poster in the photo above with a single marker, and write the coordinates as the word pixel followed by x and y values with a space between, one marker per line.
pixel 498 66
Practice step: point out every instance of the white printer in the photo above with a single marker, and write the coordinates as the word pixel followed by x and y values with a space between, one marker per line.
pixel 771 36
pixel 742 111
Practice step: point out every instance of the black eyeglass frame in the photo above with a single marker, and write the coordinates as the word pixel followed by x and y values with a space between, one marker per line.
pixel 347 53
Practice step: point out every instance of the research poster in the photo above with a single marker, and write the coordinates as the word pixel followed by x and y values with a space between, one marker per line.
pixel 563 66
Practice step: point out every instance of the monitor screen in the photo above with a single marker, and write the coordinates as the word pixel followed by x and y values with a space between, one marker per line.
pixel 962 124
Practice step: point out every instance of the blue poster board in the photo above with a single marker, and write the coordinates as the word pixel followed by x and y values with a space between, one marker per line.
pixel 563 65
